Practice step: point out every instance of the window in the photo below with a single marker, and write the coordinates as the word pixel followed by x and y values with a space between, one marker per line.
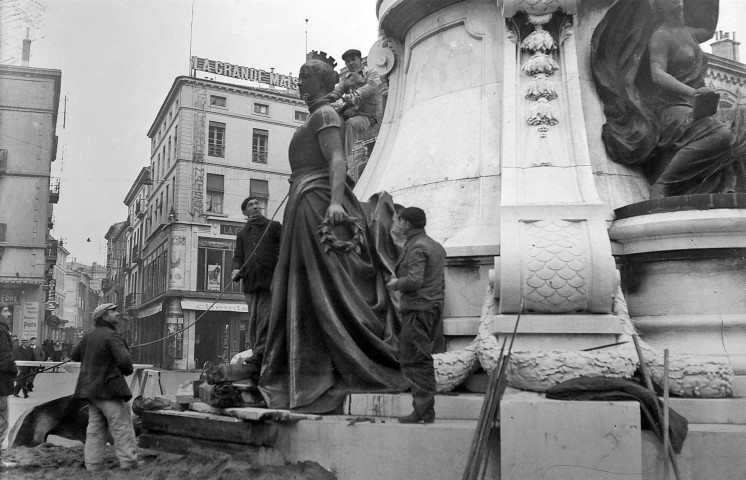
pixel 260 144
pixel 216 140
pixel 168 160
pixel 260 189
pixel 216 101
pixel 214 262
pixel 300 116
pixel 214 193
pixel 261 109
pixel 176 131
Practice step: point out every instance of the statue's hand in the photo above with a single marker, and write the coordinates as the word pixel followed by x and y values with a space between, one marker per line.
pixel 336 214
pixel 704 91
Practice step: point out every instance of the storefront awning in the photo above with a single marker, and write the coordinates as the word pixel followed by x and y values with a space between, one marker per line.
pixel 218 307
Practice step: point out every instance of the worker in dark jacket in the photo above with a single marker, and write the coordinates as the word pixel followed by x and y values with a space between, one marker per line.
pixel 254 261
pixel 420 280
pixel 25 353
pixel 8 370
pixel 104 362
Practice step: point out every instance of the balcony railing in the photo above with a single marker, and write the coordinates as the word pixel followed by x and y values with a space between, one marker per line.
pixel 259 155
pixel 54 190
pixel 216 150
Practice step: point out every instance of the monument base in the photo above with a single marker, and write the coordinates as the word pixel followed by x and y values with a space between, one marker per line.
pixel 683 267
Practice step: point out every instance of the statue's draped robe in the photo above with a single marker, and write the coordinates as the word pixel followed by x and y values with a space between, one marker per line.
pixel 332 327
pixel 650 128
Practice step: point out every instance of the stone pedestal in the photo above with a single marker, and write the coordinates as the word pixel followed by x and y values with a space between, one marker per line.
pixel 556 440
pixel 683 264
pixel 485 130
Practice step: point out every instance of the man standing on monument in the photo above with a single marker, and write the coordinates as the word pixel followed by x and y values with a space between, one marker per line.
pixel 420 280
pixel 254 261
pixel 104 362
pixel 358 89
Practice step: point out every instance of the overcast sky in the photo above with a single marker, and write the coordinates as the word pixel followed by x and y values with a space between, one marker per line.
pixel 119 58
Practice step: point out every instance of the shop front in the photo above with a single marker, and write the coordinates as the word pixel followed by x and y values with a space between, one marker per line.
pixel 218 331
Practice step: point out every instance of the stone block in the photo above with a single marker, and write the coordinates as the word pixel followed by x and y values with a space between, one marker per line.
pixel 558 440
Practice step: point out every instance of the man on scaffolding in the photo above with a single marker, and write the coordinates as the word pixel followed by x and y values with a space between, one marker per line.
pixel 254 260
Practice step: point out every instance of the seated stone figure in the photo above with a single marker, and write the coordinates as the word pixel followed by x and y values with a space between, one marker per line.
pixel 649 72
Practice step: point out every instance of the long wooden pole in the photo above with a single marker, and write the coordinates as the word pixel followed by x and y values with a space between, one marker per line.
pixel 649 382
pixel 666 436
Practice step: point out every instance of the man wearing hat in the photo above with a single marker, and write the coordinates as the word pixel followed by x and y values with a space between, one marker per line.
pixel 254 261
pixel 23 352
pixel 358 88
pixel 8 370
pixel 420 280
pixel 104 362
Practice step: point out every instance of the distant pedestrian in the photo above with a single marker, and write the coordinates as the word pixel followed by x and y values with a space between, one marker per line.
pixel 8 371
pixel 104 362
pixel 23 353
pixel 57 352
pixel 39 356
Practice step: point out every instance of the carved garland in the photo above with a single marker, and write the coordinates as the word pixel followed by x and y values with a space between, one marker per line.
pixel 541 66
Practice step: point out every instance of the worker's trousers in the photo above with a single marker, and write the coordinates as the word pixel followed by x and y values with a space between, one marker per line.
pixel 114 413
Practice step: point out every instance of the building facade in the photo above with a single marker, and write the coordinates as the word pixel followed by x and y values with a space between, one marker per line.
pixel 28 121
pixel 213 143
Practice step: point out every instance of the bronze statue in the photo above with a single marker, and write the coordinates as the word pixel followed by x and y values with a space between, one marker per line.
pixel 649 72
pixel 332 327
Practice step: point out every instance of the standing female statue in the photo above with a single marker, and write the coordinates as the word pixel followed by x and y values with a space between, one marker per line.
pixel 649 71
pixel 332 327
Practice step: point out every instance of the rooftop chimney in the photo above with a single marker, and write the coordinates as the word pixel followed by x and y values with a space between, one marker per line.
pixel 26 55
pixel 726 46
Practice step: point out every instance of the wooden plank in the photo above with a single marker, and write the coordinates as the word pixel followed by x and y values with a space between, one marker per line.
pixel 213 427
pixel 254 414
pixel 256 455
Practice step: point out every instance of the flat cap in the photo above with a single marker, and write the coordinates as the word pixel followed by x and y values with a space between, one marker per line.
pixel 415 216
pixel 101 309
pixel 351 53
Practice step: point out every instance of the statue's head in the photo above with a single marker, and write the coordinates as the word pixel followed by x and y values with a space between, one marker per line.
pixel 316 79
pixel 663 8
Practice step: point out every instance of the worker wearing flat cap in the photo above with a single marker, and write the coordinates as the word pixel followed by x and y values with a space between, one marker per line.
pixel 104 362
pixel 359 89
pixel 420 280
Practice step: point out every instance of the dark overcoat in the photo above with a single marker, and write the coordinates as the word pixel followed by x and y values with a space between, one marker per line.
pixel 104 362
pixel 8 369
pixel 262 255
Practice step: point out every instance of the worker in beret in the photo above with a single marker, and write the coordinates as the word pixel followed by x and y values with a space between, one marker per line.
pixel 421 282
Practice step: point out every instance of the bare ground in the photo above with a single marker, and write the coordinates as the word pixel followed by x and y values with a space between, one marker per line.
pixel 53 462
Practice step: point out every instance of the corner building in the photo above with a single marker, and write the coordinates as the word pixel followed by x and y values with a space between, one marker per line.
pixel 212 145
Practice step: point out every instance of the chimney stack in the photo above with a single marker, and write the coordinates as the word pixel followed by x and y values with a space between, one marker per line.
pixel 26 55
pixel 726 46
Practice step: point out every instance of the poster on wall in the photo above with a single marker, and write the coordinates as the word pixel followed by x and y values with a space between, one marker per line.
pixel 30 319
pixel 214 275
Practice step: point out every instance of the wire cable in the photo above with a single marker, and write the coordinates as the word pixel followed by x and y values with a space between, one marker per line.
pixel 183 329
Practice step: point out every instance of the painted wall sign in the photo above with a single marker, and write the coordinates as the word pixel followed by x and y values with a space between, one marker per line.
pixel 218 307
pixel 228 229
pixel 219 243
pixel 244 73
pixel 10 298
pixel 30 319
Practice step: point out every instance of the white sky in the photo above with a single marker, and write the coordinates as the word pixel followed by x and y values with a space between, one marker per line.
pixel 119 58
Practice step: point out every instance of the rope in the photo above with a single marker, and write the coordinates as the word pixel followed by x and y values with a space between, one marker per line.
pixel 178 332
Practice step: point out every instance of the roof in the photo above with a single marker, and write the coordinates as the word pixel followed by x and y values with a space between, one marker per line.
pixel 182 80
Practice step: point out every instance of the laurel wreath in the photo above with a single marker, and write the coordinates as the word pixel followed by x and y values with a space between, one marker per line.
pixel 333 244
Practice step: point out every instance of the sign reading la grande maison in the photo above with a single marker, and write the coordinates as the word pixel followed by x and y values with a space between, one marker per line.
pixel 244 73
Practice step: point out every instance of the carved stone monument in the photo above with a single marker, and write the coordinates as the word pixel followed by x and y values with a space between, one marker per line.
pixel 493 125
